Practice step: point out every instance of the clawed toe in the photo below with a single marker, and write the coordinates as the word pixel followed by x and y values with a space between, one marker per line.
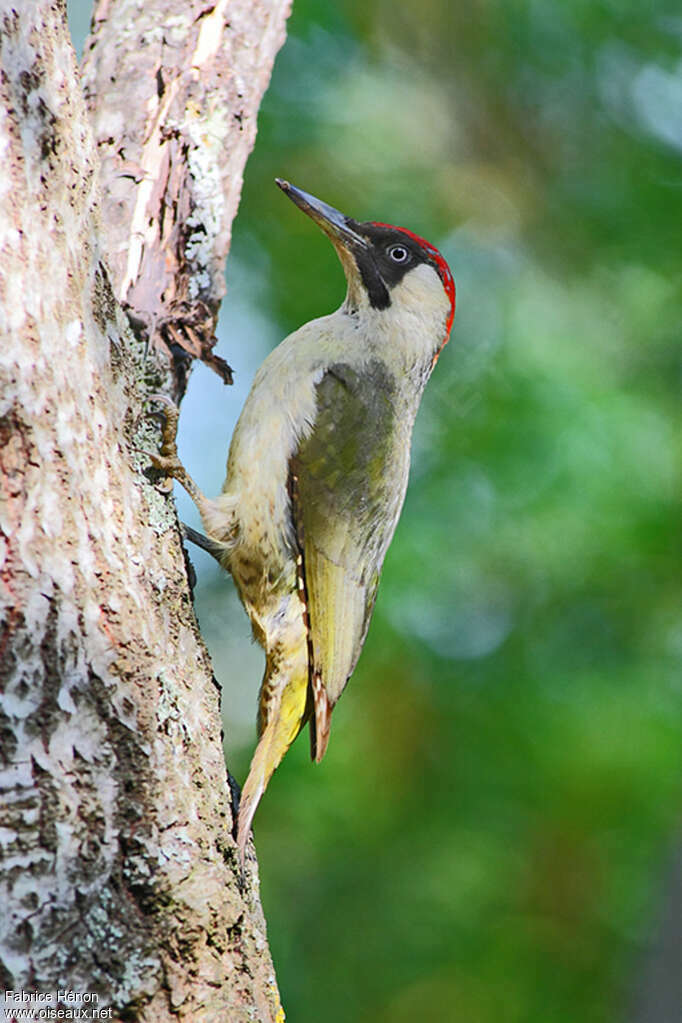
pixel 167 461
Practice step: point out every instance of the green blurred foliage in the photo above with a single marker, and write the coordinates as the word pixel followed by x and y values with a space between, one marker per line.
pixel 487 837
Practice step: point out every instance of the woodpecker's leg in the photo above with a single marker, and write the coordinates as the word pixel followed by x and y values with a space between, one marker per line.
pixel 211 546
pixel 167 461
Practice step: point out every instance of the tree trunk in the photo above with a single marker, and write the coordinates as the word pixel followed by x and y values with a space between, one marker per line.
pixel 120 881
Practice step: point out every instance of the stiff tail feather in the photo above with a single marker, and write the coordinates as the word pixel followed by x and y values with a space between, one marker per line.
pixel 284 721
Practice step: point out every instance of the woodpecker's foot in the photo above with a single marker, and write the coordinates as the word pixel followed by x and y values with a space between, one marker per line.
pixel 168 461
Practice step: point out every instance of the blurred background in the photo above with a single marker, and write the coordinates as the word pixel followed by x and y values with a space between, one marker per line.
pixel 494 832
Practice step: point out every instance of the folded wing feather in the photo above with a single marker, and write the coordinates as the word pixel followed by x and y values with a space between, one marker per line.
pixel 351 473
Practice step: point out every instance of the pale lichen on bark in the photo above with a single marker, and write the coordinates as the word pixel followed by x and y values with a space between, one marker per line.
pixel 118 864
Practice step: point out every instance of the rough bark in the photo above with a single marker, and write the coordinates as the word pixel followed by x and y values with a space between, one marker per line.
pixel 119 871
pixel 173 90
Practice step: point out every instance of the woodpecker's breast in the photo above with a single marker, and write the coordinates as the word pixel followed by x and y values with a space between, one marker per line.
pixel 279 410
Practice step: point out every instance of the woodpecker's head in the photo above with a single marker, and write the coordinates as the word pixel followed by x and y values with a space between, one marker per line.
pixel 386 267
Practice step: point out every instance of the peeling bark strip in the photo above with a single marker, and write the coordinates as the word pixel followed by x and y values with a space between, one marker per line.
pixel 118 869
pixel 172 157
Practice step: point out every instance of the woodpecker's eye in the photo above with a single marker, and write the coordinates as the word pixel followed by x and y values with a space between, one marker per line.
pixel 399 254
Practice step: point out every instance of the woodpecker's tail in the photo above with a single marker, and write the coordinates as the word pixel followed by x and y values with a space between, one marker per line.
pixel 281 720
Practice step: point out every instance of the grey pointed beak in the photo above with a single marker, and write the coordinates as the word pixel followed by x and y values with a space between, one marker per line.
pixel 334 223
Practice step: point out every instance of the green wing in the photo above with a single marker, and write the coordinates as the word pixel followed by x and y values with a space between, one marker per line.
pixel 349 479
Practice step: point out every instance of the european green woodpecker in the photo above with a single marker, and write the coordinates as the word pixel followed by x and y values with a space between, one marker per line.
pixel 317 473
